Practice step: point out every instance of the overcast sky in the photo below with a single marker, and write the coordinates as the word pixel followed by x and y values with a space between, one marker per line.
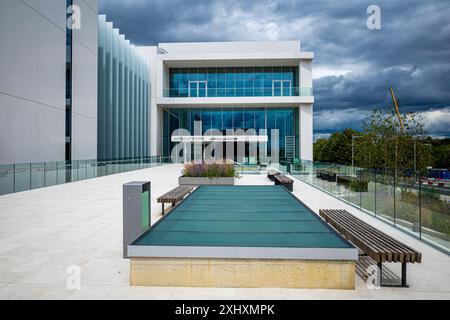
pixel 353 66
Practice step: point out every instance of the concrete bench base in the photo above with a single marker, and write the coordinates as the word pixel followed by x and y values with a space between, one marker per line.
pixel 242 273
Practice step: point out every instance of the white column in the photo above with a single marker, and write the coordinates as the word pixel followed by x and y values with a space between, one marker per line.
pixel 306 131
pixel 156 118
pixel 306 81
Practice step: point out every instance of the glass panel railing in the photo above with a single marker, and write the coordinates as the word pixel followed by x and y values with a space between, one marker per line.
pixel 6 178
pixel 51 173
pixel 239 92
pixel 22 177
pixel 407 204
pixel 37 175
pixel 397 198
pixel 28 176
pixel 434 213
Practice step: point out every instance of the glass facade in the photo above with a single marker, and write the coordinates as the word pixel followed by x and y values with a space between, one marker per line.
pixel 234 82
pixel 283 119
pixel 123 97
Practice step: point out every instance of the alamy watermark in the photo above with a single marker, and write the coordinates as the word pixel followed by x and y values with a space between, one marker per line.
pixel 374 20
pixel 209 146
pixel 373 277
pixel 73 17
pixel 73 281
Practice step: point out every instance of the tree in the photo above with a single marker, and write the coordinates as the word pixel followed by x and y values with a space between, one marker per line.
pixel 336 149
pixel 440 152
pixel 384 145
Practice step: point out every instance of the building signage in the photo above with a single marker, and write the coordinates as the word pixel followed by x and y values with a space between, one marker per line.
pixel 234 138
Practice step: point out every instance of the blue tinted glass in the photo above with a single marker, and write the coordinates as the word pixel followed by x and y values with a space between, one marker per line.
pixel 212 80
pixel 202 74
pixel 202 88
pixel 289 116
pixel 174 120
pixel 193 89
pixel 271 124
pixel 235 81
pixel 206 119
pixel 240 78
pixel 196 115
pixel 286 87
pixel 193 74
pixel 221 77
pixel 281 122
pixel 277 88
pixel 216 119
pixel 238 121
pixel 249 119
pixel 260 119
pixel 230 77
pixel 277 73
pixel 227 119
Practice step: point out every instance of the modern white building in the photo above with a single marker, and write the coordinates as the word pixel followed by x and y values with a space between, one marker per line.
pixel 233 85
pixel 89 93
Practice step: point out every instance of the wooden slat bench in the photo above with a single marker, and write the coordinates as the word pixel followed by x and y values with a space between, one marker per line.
pixel 271 174
pixel 288 183
pixel 374 243
pixel 174 196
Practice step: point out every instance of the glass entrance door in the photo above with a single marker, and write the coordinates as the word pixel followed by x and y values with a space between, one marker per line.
pixel 198 89
pixel 281 88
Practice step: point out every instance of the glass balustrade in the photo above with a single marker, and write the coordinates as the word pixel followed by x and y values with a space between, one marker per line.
pixel 27 176
pixel 200 90
pixel 398 198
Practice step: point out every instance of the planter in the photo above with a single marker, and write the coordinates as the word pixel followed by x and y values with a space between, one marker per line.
pixel 199 181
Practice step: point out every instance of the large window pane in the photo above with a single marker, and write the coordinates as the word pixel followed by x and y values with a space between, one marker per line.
pixel 238 119
pixel 227 119
pixel 235 81
pixel 249 119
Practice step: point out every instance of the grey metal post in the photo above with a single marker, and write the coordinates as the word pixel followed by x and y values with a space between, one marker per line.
pixel 353 150
pixel 136 211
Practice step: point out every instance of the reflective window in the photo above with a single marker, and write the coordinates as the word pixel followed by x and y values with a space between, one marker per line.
pixel 283 119
pixel 233 82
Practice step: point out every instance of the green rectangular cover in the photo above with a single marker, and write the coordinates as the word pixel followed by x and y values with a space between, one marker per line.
pixel 242 216
pixel 145 211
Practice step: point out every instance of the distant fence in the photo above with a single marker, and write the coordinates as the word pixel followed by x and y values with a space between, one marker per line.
pixel 28 176
pixel 403 200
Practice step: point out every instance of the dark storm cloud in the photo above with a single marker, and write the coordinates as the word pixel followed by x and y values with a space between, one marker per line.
pixel 354 66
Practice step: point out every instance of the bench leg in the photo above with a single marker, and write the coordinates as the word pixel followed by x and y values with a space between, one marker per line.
pixel 380 267
pixel 404 275
pixel 403 279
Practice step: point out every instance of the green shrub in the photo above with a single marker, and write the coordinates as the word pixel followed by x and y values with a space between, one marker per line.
pixel 214 170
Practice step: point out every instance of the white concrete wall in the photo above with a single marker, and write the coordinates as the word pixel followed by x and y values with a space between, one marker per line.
pixel 306 113
pixel 84 85
pixel 305 69
pixel 230 47
pixel 306 131
pixel 32 81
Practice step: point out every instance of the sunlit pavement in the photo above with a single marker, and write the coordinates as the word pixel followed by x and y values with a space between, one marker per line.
pixel 44 232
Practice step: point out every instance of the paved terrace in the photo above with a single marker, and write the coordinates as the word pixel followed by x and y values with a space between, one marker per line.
pixel 44 231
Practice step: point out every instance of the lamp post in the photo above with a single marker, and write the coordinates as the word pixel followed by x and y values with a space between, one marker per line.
pixel 353 148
